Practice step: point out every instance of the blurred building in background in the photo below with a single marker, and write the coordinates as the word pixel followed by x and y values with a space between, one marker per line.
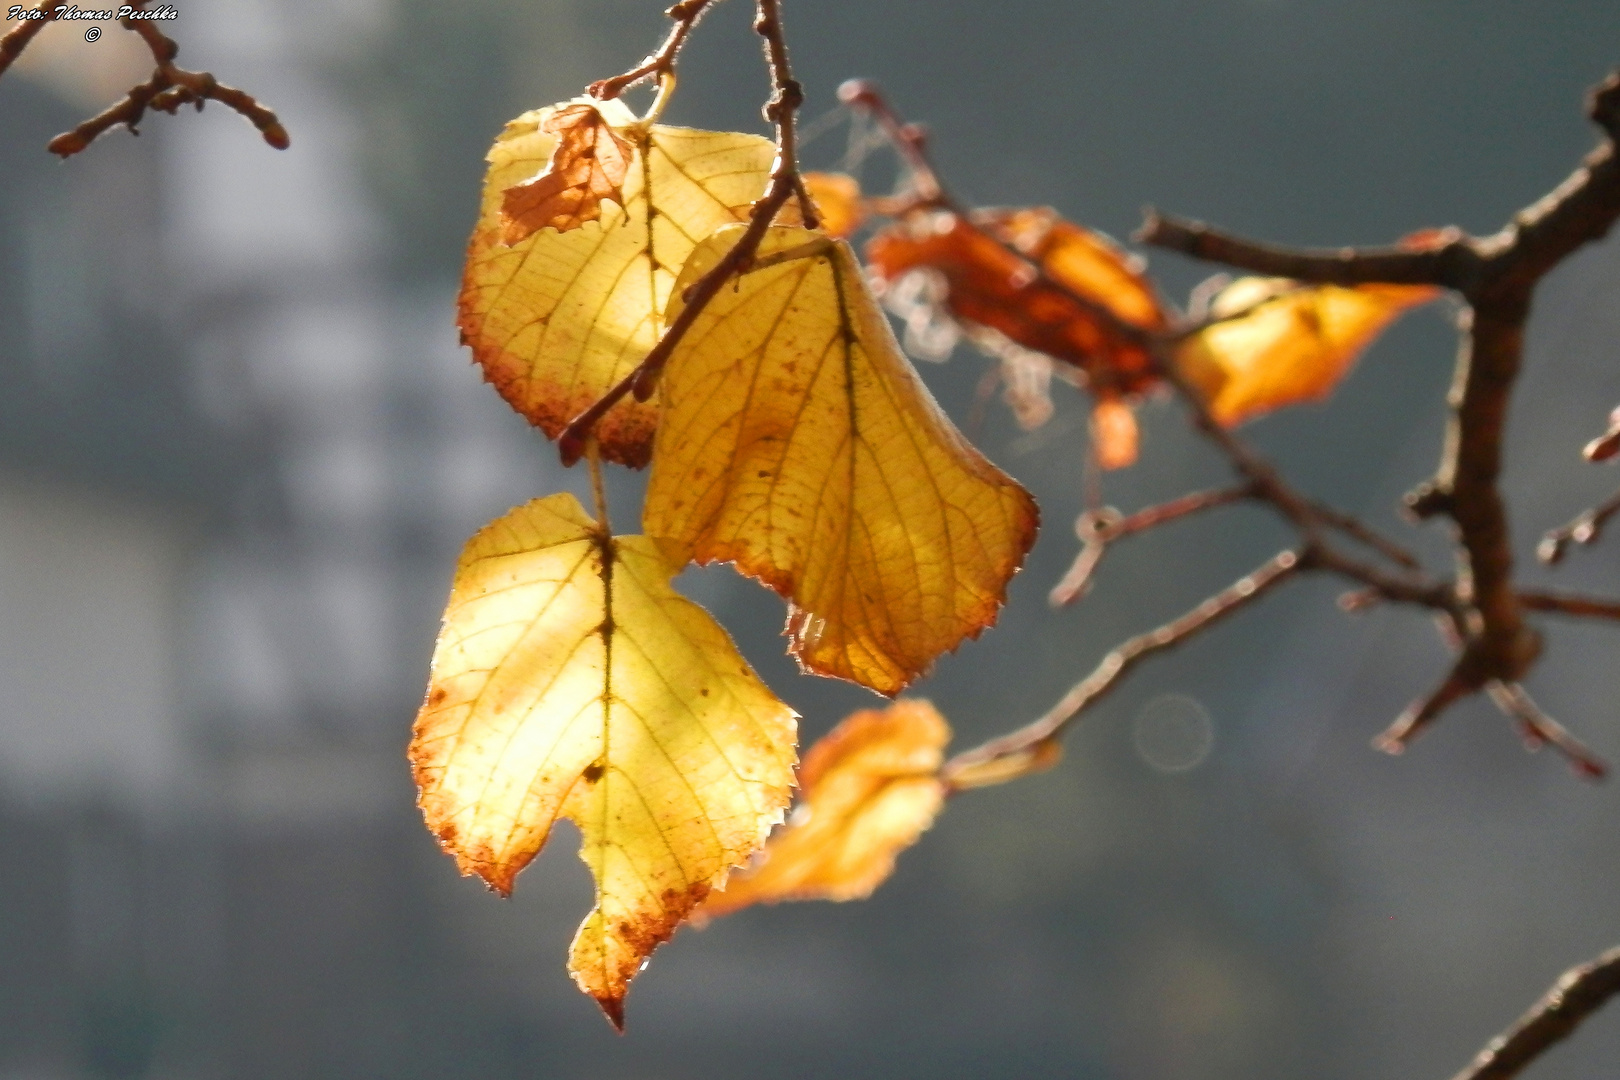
pixel 240 448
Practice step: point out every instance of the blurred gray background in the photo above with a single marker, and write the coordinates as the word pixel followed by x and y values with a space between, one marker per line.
pixel 240 448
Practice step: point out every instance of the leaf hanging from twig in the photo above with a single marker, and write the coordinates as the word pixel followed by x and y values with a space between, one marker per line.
pixel 798 442
pixel 570 680
pixel 1278 343
pixel 557 318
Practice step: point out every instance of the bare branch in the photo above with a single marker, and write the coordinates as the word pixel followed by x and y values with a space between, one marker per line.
pixel 167 90
pixel 1566 604
pixel 1027 740
pixel 662 60
pixel 1098 529
pixel 1539 729
pixel 1585 528
pixel 1455 261
pixel 1577 994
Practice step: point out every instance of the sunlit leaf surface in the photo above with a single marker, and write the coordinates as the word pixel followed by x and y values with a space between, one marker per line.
pixel 798 442
pixel 868 791
pixel 570 680
pixel 1280 343
pixel 558 318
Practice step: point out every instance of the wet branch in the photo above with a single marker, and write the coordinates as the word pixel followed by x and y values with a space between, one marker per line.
pixel 1585 528
pixel 662 60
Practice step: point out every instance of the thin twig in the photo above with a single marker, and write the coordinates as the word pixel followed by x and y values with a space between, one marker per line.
pixel 1099 528
pixel 167 90
pixel 1539 729
pixel 662 60
pixel 1567 604
pixel 785 183
pixel 1086 693
pixel 1576 995
pixel 1585 528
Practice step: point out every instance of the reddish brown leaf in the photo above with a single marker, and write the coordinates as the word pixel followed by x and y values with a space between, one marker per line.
pixel 1066 310
pixel 589 165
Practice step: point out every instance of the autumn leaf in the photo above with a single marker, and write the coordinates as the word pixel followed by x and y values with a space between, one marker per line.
pixel 558 318
pixel 837 197
pixel 1089 283
pixel 1114 435
pixel 588 164
pixel 570 680
pixel 798 442
pixel 1279 343
pixel 868 790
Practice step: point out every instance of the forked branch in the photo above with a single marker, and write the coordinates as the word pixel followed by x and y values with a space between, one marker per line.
pixel 169 88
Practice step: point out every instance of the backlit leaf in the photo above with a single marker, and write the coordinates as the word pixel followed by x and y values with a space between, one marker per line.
pixel 838 200
pixel 867 792
pixel 1114 434
pixel 588 164
pixel 558 318
pixel 570 680
pixel 989 285
pixel 798 442
pixel 1281 343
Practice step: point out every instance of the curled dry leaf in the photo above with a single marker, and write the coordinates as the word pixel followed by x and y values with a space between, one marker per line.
pixel 570 680
pixel 838 201
pixel 1067 314
pixel 798 442
pixel 588 164
pixel 558 318
pixel 1279 343
pixel 868 790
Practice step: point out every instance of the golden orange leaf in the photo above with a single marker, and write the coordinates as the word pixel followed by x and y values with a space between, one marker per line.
pixel 989 285
pixel 1113 433
pixel 1281 343
pixel 558 318
pixel 838 199
pixel 588 164
pixel 798 442
pixel 868 790
pixel 570 680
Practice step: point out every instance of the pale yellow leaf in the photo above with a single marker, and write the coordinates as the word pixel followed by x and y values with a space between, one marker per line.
pixel 558 318
pixel 868 790
pixel 1281 343
pixel 570 680
pixel 798 442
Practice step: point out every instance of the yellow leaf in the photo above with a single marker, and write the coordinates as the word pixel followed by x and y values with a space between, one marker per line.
pixel 558 318
pixel 1282 343
pixel 838 200
pixel 869 789
pixel 798 442
pixel 570 680
pixel 588 164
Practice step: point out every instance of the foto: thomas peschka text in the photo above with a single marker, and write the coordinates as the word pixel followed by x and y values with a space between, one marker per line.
pixel 72 11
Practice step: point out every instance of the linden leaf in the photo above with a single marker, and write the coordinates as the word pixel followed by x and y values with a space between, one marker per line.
pixel 558 318
pixel 798 442
pixel 837 197
pixel 988 285
pixel 570 680
pixel 588 165
pixel 1281 343
pixel 869 789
